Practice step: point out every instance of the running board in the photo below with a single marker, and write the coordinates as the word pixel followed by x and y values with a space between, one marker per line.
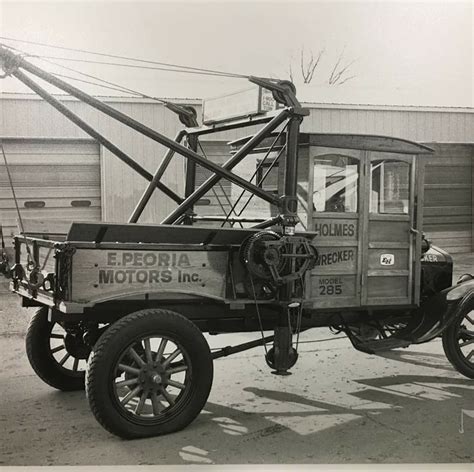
pixel 378 345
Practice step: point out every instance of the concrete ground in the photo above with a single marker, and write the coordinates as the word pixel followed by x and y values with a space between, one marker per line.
pixel 339 406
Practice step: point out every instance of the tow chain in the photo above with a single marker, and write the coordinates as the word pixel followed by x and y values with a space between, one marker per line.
pixel 298 320
pixel 258 313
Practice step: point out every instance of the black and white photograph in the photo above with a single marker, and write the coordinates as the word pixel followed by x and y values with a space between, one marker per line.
pixel 237 235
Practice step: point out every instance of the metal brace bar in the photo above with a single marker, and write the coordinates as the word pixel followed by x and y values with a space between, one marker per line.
pixel 227 351
pixel 230 164
pixel 145 198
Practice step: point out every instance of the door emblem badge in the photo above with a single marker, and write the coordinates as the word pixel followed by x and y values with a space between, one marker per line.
pixel 387 259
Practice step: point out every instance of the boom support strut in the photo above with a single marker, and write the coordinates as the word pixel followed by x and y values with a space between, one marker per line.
pixel 12 63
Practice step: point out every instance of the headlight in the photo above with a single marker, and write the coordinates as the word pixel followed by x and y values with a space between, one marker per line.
pixel 460 290
pixel 464 278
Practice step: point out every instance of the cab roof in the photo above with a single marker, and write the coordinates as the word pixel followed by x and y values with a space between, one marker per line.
pixel 367 142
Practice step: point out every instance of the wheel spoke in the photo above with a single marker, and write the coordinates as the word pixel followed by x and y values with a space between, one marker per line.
pixel 466 343
pixel 470 355
pixel 148 354
pixel 141 403
pixel 466 332
pixel 126 383
pixel 76 364
pixel 65 358
pixel 130 395
pixel 157 407
pixel 176 370
pixel 136 357
pixel 58 348
pixel 56 336
pixel 161 349
pixel 467 317
pixel 171 357
pixel 168 397
pixel 129 369
pixel 179 385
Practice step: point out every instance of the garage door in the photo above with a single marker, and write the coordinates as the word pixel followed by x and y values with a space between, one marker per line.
pixel 53 180
pixel 448 205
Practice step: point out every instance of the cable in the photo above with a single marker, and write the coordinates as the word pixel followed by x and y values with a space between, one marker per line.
pixel 134 66
pixel 20 220
pixel 95 83
pixel 258 314
pixel 118 87
pixel 223 191
pixel 84 51
pixel 259 166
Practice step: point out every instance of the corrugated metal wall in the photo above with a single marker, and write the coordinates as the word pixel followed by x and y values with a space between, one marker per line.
pixel 31 117
pixel 436 125
pixel 121 187
pixel 53 180
pixel 448 204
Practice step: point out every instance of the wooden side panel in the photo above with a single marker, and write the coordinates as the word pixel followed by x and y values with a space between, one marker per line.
pixel 389 265
pixel 334 282
pixel 99 275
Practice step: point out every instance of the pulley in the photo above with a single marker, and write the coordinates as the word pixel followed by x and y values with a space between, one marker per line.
pixel 257 257
pixel 280 259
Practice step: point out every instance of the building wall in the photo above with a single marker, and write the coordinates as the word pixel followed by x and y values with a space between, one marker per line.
pixel 30 117
pixel 421 124
pixel 449 195
pixel 121 187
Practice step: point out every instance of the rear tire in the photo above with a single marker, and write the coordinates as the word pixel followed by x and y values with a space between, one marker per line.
pixel 149 374
pixel 458 343
pixel 50 359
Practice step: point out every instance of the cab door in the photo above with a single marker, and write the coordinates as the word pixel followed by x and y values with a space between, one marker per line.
pixel 390 234
pixel 334 213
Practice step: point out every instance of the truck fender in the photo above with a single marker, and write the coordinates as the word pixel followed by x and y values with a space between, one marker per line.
pixel 439 311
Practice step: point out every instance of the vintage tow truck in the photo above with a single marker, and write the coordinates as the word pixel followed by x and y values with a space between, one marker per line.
pixel 329 234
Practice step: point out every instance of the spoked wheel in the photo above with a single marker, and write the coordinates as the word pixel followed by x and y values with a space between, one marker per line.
pixel 458 343
pixel 58 357
pixel 149 374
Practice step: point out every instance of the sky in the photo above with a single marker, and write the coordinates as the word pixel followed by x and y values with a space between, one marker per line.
pixel 400 53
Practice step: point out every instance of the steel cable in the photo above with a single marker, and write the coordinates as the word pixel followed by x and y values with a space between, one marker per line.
pixel 20 219
pixel 127 58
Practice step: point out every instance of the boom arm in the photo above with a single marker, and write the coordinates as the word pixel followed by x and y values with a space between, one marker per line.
pixel 12 63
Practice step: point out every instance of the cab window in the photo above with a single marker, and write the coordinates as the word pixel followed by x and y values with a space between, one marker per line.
pixel 389 186
pixel 335 183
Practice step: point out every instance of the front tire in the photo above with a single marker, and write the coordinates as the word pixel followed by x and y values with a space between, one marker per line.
pixel 458 343
pixel 149 374
pixel 57 357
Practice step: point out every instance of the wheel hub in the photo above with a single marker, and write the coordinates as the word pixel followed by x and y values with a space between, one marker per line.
pixel 153 377
pixel 76 347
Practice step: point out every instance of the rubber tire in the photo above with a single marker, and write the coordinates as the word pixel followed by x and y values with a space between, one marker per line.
pixel 452 350
pixel 41 359
pixel 107 351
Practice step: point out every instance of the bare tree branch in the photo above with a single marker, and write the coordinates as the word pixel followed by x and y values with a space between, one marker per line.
pixel 318 59
pixel 308 64
pixel 345 80
pixel 338 71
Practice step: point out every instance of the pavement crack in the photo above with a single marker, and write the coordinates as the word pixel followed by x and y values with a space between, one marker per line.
pixel 370 418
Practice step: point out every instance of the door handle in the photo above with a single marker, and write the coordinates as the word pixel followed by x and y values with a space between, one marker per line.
pixel 414 231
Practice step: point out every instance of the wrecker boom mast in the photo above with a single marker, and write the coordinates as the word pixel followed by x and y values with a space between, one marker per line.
pixel 283 92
